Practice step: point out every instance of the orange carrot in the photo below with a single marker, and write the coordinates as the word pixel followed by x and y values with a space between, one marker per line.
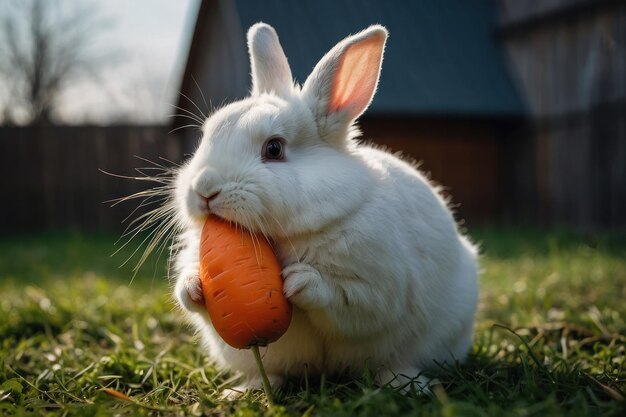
pixel 242 285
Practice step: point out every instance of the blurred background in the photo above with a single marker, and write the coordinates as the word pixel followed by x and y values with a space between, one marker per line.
pixel 517 108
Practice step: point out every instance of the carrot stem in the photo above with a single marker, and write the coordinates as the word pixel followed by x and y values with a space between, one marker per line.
pixel 266 382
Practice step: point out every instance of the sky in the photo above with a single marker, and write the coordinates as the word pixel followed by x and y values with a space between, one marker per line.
pixel 146 42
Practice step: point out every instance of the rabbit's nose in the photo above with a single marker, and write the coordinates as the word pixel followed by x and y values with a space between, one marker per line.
pixel 212 196
pixel 206 200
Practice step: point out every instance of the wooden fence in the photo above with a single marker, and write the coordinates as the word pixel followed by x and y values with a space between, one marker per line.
pixel 51 176
pixel 570 60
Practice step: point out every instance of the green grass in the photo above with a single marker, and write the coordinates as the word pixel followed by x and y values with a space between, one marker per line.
pixel 549 340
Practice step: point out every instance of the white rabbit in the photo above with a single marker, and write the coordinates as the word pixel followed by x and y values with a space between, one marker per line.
pixel 377 272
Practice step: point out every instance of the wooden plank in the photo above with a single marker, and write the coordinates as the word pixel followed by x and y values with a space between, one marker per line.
pixel 462 157
pixel 518 17
pixel 52 178
pixel 571 66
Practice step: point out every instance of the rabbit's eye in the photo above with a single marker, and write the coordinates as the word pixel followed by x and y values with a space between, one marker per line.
pixel 273 150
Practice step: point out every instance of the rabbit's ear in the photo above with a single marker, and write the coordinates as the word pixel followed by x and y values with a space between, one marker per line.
pixel 270 70
pixel 343 83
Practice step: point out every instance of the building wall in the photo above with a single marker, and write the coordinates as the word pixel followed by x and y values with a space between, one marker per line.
pixel 569 57
pixel 217 70
pixel 462 156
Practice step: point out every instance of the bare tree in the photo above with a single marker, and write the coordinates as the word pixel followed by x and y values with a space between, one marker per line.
pixel 48 44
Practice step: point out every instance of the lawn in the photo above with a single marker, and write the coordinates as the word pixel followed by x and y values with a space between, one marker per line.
pixel 550 338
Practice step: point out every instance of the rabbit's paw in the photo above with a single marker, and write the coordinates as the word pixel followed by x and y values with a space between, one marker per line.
pixel 305 287
pixel 189 292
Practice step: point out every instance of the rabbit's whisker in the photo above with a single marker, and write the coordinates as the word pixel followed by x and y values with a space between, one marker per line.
pixel 160 223
pixel 183 127
pixel 293 248
pixel 194 104
pixel 208 109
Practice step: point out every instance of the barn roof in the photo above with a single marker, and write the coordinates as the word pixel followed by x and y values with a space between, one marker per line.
pixel 442 56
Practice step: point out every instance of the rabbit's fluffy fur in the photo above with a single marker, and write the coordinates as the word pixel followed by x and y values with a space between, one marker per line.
pixel 377 272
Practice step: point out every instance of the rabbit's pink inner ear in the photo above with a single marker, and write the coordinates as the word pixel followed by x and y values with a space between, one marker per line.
pixel 355 81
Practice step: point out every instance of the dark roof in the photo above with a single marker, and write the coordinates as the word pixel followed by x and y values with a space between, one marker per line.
pixel 441 57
